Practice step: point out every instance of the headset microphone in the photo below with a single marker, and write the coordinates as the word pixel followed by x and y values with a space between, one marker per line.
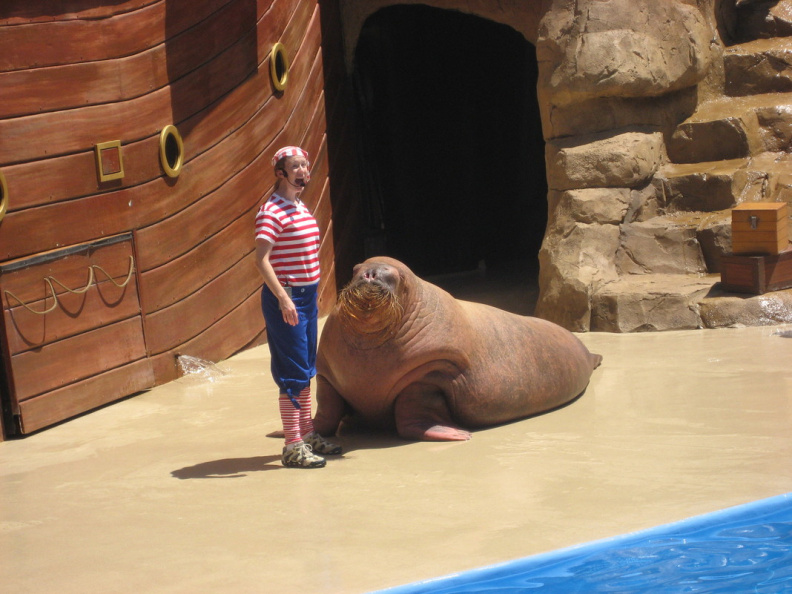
pixel 299 184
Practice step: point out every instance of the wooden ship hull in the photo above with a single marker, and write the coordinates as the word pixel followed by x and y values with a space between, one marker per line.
pixel 123 247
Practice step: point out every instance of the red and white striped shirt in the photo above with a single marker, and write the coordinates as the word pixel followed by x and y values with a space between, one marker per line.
pixel 294 235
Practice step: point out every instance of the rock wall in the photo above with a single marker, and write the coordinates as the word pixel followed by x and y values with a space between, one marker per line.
pixel 659 118
pixel 616 76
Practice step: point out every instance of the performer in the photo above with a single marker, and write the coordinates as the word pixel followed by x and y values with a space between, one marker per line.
pixel 287 255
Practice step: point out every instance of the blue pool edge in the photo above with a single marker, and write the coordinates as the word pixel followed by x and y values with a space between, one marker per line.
pixel 743 513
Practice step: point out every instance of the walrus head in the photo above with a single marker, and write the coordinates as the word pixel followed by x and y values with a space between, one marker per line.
pixel 370 305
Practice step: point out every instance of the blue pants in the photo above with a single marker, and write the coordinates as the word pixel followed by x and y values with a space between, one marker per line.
pixel 292 348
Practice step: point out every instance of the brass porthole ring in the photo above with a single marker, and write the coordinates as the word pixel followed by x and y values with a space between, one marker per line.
pixel 279 66
pixel 171 151
pixel 3 196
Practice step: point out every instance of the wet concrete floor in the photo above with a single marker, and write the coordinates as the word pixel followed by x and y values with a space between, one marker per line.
pixel 180 489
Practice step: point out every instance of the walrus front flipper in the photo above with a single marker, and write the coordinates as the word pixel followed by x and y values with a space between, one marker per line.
pixel 422 414
pixel 330 408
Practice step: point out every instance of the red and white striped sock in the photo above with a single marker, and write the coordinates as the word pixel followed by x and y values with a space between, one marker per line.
pixel 290 417
pixel 306 423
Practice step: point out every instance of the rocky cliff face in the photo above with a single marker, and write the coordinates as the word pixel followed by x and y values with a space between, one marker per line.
pixel 657 123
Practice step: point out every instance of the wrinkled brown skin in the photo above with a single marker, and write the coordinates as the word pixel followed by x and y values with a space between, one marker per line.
pixel 448 364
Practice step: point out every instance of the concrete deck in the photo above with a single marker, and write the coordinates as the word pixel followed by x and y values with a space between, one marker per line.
pixel 180 489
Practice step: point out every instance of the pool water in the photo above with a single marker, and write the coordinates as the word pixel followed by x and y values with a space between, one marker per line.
pixel 740 549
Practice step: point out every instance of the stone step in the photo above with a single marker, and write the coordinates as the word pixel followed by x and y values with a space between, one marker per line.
pixel 678 243
pixel 757 19
pixel 734 127
pixel 650 302
pixel 707 187
pixel 720 185
pixel 758 67
pixel 657 302
pixel 777 170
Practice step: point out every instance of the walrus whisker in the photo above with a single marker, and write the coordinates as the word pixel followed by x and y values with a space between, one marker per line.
pixel 359 300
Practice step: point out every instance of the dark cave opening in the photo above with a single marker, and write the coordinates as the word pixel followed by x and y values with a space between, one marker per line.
pixel 451 145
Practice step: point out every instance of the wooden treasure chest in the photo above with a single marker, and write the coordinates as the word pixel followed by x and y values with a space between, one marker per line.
pixel 757 274
pixel 761 259
pixel 760 228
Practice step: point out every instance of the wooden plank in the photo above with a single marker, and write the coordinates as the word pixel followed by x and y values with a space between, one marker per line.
pixel 175 280
pixel 327 287
pixel 779 272
pixel 69 401
pixel 164 241
pixel 25 278
pixel 316 131
pixel 198 90
pixel 50 180
pixel 761 226
pixel 294 35
pixel 115 212
pixel 136 207
pixel 101 305
pixel 322 211
pixel 76 358
pixel 177 324
pixel 256 95
pixel 65 42
pixel 320 208
pixel 304 114
pixel 757 245
pixel 46 181
pixel 24 92
pixel 218 31
pixel 63 132
pixel 115 35
pixel 241 327
pixel 18 12
pixel 328 290
pixel 73 176
pixel 757 274
pixel 774 211
pixel 743 274
pixel 272 23
pixel 59 133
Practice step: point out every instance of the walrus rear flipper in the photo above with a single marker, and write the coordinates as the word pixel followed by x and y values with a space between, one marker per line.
pixel 595 359
pixel 422 414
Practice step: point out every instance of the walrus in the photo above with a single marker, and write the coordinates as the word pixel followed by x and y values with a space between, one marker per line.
pixel 397 351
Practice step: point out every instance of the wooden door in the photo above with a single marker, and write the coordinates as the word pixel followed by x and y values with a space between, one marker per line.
pixel 72 333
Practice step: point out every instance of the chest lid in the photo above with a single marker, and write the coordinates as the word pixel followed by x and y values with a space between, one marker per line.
pixel 767 213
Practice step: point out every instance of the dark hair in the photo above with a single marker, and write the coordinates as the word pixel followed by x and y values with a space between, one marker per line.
pixel 281 165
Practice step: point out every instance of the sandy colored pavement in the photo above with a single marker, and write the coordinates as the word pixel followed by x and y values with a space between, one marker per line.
pixel 180 489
